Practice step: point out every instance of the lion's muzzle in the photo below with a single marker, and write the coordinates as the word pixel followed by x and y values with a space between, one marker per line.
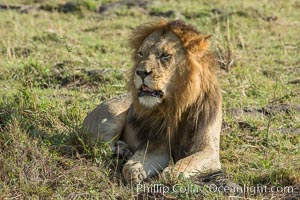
pixel 146 91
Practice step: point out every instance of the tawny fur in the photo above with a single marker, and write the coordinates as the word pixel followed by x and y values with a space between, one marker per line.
pixel 195 84
pixel 184 125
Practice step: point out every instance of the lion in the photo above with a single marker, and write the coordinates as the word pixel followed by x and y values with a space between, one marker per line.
pixel 173 110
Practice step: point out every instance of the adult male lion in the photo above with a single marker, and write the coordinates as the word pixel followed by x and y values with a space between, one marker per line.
pixel 173 110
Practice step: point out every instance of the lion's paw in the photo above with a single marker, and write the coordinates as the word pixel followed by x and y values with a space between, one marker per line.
pixel 174 172
pixel 134 172
pixel 121 149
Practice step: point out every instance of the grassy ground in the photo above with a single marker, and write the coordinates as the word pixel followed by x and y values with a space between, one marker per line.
pixel 58 61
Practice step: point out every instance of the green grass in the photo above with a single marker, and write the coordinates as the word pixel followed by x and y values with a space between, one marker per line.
pixel 56 67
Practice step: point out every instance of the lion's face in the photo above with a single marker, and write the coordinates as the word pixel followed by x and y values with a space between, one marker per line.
pixel 157 60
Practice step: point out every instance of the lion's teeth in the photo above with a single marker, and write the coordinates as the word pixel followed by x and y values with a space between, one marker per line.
pixel 146 89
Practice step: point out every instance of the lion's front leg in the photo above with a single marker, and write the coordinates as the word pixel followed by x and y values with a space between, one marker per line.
pixel 144 164
pixel 202 162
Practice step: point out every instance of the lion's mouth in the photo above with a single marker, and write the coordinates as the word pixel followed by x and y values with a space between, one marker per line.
pixel 146 91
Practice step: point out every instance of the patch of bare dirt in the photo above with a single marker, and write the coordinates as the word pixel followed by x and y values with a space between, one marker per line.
pixel 65 7
pixel 83 78
pixel 259 113
pixel 143 4
pixel 265 111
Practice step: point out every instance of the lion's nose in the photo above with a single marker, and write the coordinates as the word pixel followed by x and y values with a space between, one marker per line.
pixel 143 74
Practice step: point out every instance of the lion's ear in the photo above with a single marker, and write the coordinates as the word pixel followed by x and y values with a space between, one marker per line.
pixel 199 44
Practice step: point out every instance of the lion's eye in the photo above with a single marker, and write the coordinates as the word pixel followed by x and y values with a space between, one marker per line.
pixel 140 54
pixel 164 56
